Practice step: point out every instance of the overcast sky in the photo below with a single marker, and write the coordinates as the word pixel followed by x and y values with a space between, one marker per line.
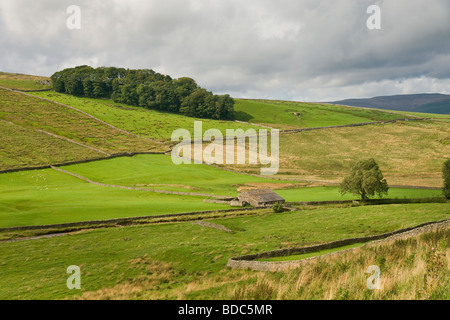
pixel 304 50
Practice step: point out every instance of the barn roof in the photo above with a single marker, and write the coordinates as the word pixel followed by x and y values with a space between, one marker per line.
pixel 261 195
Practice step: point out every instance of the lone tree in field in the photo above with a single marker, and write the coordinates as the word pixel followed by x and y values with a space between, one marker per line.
pixel 365 180
pixel 446 175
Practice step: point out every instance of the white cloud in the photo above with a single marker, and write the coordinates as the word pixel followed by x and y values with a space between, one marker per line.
pixel 287 49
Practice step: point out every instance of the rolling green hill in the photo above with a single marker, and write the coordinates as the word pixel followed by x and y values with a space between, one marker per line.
pixel 178 259
pixel 147 123
pixel 24 82
pixel 409 153
pixel 187 261
pixel 295 115
pixel 47 133
pixel 42 197
pixel 26 147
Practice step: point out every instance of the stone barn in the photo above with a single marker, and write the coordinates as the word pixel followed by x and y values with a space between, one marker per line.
pixel 260 198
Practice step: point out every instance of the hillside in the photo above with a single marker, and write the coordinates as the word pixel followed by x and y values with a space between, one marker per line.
pixel 295 115
pixel 132 222
pixel 424 103
pixel 182 260
pixel 40 132
pixel 147 123
pixel 409 153
pixel 23 81
pixel 85 128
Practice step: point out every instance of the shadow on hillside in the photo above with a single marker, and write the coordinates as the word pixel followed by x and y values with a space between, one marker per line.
pixel 242 116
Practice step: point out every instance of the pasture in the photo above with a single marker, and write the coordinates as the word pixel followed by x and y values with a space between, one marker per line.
pixel 42 197
pixel 24 146
pixel 37 132
pixel 409 153
pixel 187 261
pixel 295 115
pixel 144 122
pixel 23 82
pixel 173 258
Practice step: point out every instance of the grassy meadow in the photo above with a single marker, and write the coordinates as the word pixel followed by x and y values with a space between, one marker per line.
pixel 174 258
pixel 24 146
pixel 144 122
pixel 186 261
pixel 411 269
pixel 296 115
pixel 23 82
pixel 409 153
pixel 44 197
pixel 158 171
pixel 31 116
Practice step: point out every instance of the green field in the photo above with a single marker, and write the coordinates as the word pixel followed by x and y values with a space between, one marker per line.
pixel 427 115
pixel 44 197
pixel 183 260
pixel 40 114
pixel 280 114
pixel 23 82
pixel 24 146
pixel 23 120
pixel 158 171
pixel 173 258
pixel 147 123
pixel 332 193
pixel 50 197
pixel 409 153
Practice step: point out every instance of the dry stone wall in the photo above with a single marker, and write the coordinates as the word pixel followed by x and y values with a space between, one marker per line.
pixel 249 261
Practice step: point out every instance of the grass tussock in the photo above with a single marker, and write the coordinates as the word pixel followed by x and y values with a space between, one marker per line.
pixel 414 268
pixel 153 275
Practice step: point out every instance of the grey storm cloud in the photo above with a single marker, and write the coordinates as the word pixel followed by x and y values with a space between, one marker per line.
pixel 312 50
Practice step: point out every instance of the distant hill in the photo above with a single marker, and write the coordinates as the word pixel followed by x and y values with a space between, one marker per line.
pixel 426 103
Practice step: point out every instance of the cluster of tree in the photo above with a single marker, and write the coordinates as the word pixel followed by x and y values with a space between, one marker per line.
pixel 145 88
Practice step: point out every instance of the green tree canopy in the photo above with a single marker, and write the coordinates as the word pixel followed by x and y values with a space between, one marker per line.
pixel 365 180
pixel 446 175
pixel 145 88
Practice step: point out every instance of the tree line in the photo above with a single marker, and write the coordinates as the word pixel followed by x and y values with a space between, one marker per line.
pixel 144 88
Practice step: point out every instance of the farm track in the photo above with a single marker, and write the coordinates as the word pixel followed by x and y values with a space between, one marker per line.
pixel 46 236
